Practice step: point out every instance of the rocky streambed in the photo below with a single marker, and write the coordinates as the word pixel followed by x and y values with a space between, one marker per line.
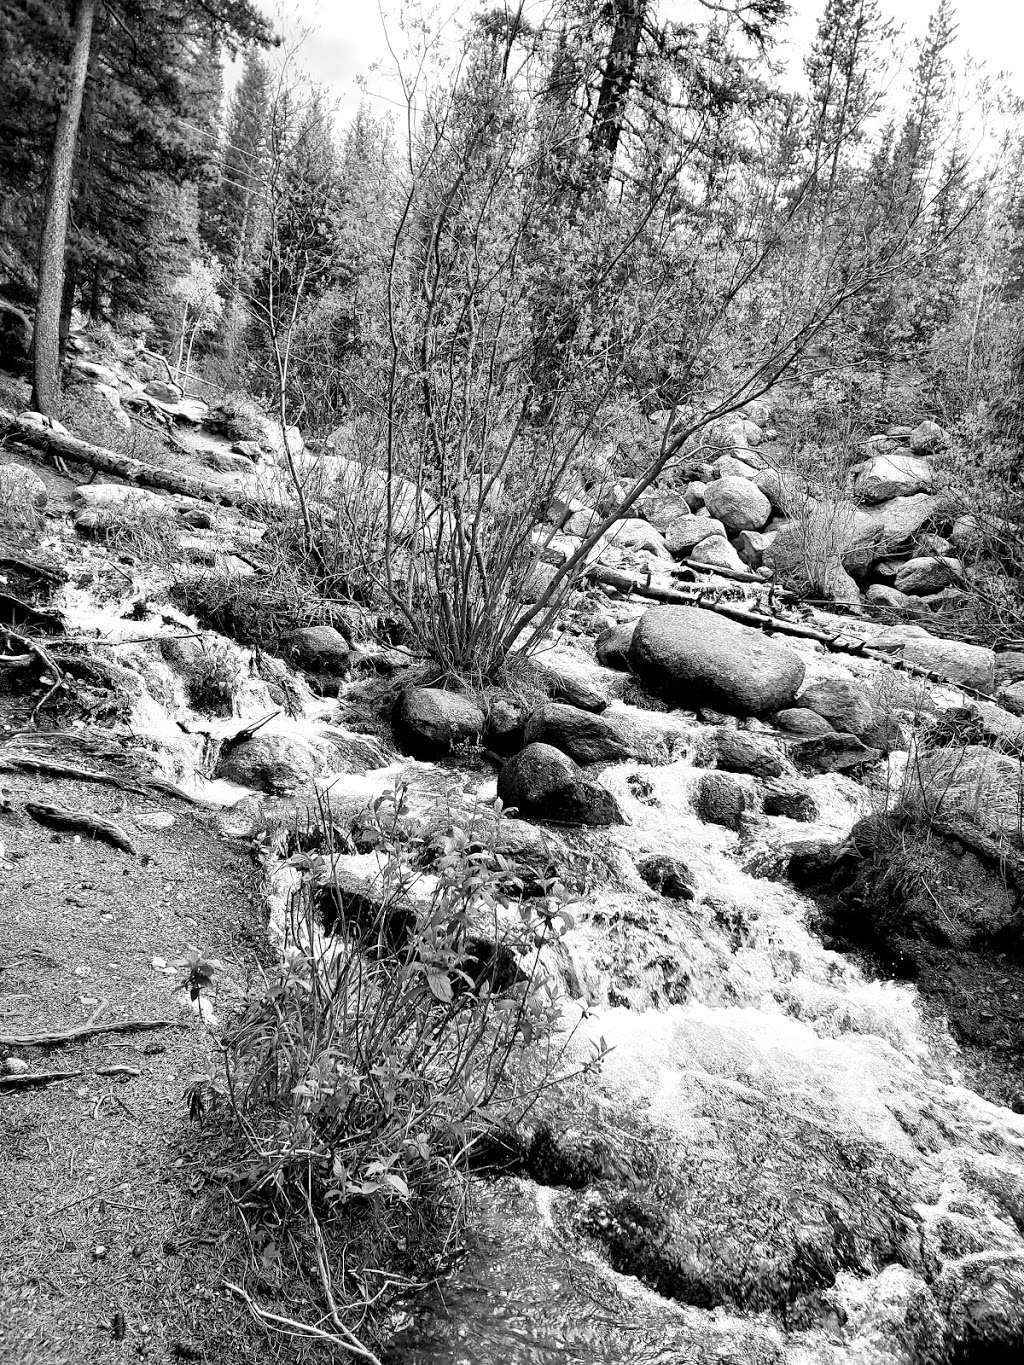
pixel 782 1157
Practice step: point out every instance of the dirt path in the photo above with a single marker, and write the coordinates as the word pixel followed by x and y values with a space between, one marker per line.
pixel 108 1255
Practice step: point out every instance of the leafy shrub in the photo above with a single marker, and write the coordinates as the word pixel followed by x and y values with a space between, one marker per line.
pixel 213 679
pixel 397 1032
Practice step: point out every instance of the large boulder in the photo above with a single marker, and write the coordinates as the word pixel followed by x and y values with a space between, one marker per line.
pixel 636 534
pixel 664 508
pixel 892 476
pixel 738 503
pixel 668 876
pixel 430 722
pixel 273 763
pixel 718 799
pixel 893 525
pixel 319 648
pixel 928 574
pixel 957 662
pixel 697 658
pixel 585 737
pixel 542 783
pixel 684 534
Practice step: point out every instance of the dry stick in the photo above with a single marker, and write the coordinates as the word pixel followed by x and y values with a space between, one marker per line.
pixel 60 817
pixel 30 1079
pixel 352 1347
pixel 56 1037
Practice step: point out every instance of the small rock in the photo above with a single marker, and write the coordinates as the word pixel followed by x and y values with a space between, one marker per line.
pixel 833 753
pixel 719 800
pixel 585 737
pixel 927 437
pixel 743 751
pixel 613 646
pixel 668 876
pixel 801 720
pixel 684 534
pixel 842 702
pixel 162 391
pixel 21 488
pixel 790 800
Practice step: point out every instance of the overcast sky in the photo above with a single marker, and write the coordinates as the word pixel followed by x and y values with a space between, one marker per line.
pixel 343 42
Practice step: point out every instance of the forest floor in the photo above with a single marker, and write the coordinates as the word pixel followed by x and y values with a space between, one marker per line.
pixel 114 1248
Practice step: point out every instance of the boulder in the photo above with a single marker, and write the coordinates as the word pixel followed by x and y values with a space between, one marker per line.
pixel 613 646
pixel 891 476
pixel 430 722
pixel 751 546
pixel 927 437
pixel 800 720
pixel 100 374
pixel 278 764
pixel 636 534
pixel 730 466
pixel 717 553
pixel 503 726
pixel 668 876
pixel 738 503
pixel 662 509
pixel 744 751
pixel 252 450
pixel 928 574
pixel 163 391
pixel 969 665
pixel 568 681
pixel 843 702
pixel 21 489
pixel 881 595
pixel 586 738
pixel 687 532
pixel 319 648
pixel 539 578
pixel 965 534
pixel 1012 697
pixel 718 799
pixel 833 753
pixel 581 523
pixel 791 800
pixel 894 524
pixel 542 783
pixel 785 490
pixel 696 658
pixel 121 498
pixel 562 507
pixel 694 494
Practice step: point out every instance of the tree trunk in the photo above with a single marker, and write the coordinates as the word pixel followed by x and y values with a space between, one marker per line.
pixel 53 243
pixel 617 79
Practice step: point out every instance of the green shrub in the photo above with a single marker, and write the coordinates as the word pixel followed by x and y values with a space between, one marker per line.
pixel 397 1033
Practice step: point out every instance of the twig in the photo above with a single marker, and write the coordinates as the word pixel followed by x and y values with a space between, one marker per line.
pixel 264 1315
pixel 55 1037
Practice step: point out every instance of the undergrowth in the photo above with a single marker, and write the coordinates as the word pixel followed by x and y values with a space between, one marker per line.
pixel 405 1023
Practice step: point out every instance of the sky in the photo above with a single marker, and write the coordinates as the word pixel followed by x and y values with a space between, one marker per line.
pixel 343 44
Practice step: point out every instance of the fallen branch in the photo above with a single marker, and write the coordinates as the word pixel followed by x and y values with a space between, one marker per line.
pixel 81 821
pixel 348 1343
pixel 47 767
pixel 30 1079
pixel 61 445
pixel 1009 862
pixel 56 1037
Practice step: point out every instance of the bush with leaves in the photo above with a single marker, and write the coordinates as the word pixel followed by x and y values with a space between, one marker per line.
pixel 404 1025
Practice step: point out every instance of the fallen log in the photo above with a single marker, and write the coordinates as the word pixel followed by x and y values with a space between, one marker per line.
pixel 47 767
pixel 59 445
pixel 80 822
